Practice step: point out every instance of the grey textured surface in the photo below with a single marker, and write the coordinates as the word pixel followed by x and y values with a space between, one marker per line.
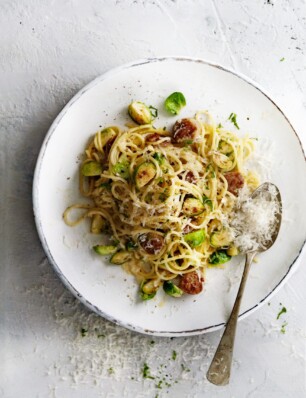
pixel 49 50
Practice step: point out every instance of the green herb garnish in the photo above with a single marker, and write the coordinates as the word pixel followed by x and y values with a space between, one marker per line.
pixel 159 157
pixel 282 59
pixel 154 111
pixel 146 372
pixel 174 354
pixel 233 119
pixel 283 330
pixel 282 311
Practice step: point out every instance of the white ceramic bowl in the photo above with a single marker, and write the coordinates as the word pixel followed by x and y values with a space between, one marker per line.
pixel 108 290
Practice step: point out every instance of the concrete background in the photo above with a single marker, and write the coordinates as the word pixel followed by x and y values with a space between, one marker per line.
pixel 48 51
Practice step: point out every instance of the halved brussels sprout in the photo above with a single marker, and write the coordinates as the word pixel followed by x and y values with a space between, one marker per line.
pixel 193 207
pixel 120 257
pixel 221 238
pixel 106 135
pixel 225 148
pixel 219 257
pixel 97 224
pixel 222 161
pixel 91 168
pixel 172 290
pixel 175 102
pixel 148 288
pixel 140 112
pixel 104 250
pixel 144 173
pixel 122 168
pixel 195 238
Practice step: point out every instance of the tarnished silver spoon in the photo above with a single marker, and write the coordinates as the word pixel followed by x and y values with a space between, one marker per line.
pixel 220 367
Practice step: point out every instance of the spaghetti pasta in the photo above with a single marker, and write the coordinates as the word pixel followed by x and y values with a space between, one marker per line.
pixel 165 198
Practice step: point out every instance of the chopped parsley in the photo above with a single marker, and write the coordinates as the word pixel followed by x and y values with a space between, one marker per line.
pixel 283 330
pixel 282 59
pixel 219 126
pixel 184 369
pixel 159 157
pixel 233 119
pixel 84 332
pixel 153 111
pixel 146 372
pixel 110 371
pixel 174 354
pixel 282 311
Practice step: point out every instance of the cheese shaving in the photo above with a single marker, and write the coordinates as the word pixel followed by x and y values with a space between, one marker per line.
pixel 255 219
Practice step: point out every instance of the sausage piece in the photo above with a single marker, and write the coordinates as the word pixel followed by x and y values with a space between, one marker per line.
pixel 190 283
pixel 184 131
pixel 151 242
pixel 190 177
pixel 153 137
pixel 235 181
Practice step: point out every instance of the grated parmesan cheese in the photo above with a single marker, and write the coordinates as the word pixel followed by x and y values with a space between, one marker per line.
pixel 255 219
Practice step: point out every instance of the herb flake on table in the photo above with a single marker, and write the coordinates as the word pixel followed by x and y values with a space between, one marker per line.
pixel 84 332
pixel 283 330
pixel 146 372
pixel 282 311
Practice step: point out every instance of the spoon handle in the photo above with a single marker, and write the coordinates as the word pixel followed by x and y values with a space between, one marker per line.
pixel 220 367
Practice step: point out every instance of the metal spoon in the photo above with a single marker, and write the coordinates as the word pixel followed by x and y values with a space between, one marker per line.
pixel 220 367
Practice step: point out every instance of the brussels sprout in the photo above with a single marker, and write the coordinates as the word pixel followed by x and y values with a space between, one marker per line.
pixel 225 147
pixel 148 288
pixel 140 112
pixel 106 135
pixel 97 224
pixel 174 103
pixel 91 168
pixel 144 173
pixel 120 257
pixel 222 161
pixel 122 168
pixel 195 238
pixel 232 251
pixel 193 207
pixel 172 290
pixel 105 250
pixel 221 238
pixel 219 257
